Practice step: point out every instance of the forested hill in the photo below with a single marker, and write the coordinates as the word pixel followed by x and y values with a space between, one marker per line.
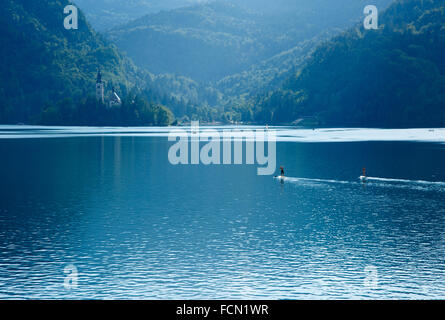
pixel 42 62
pixel 203 42
pixel 105 14
pixel 48 73
pixel 394 76
pixel 214 40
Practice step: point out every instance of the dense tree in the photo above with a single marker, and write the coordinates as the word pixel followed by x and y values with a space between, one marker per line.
pixel 394 76
pixel 134 111
pixel 217 39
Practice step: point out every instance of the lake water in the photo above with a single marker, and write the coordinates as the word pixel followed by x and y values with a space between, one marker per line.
pixel 108 202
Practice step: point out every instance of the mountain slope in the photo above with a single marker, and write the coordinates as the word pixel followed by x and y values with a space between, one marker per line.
pixel 42 62
pixel 46 67
pixel 211 41
pixel 394 76
pixel 204 42
pixel 268 74
pixel 106 14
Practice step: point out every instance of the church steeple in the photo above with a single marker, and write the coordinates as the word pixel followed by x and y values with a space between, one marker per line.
pixel 99 87
pixel 99 76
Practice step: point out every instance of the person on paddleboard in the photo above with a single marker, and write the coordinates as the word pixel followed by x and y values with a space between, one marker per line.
pixel 282 172
pixel 363 177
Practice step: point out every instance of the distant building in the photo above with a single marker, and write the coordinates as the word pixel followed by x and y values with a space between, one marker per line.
pixel 99 88
pixel 114 99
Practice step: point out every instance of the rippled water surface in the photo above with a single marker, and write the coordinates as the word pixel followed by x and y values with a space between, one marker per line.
pixel 108 202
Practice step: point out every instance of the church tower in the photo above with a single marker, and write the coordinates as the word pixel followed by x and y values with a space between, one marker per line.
pixel 99 88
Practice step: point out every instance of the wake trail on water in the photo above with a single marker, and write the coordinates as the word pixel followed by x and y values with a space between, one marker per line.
pixel 437 183
pixel 374 181
pixel 293 179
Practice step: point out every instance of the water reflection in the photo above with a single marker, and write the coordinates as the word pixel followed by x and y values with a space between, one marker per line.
pixel 137 227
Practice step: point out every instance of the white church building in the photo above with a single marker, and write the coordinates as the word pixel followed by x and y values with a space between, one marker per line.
pixel 113 101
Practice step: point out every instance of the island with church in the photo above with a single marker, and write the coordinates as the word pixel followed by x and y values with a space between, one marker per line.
pixel 113 100
pixel 102 108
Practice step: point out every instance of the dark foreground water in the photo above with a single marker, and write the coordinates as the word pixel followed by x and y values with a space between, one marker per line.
pixel 135 226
